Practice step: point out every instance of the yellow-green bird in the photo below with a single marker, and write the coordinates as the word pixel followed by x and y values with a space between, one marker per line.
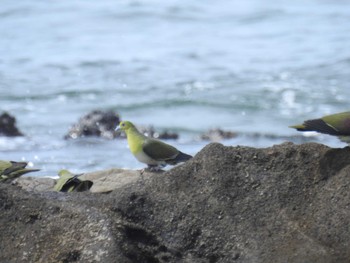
pixel 10 170
pixel 152 152
pixel 69 182
pixel 336 124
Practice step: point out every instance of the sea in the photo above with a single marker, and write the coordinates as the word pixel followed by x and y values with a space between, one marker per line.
pixel 253 67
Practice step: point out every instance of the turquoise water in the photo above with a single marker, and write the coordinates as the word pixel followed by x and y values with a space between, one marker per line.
pixel 187 66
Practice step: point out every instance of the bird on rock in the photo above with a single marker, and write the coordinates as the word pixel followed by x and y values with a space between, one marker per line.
pixel 69 182
pixel 336 124
pixel 10 170
pixel 153 152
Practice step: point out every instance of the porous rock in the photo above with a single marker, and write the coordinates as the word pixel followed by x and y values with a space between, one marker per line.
pixel 103 181
pixel 96 123
pixel 8 126
pixel 112 179
pixel 37 184
pixel 217 135
pixel 286 203
pixel 151 132
pixel 103 123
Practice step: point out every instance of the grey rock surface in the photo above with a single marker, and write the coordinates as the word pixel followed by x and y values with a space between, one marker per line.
pixel 112 179
pixel 103 181
pixel 286 203
pixel 36 184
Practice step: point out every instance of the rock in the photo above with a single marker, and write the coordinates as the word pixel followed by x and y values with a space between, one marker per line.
pixel 103 123
pixel 151 132
pixel 96 123
pixel 103 181
pixel 36 184
pixel 113 179
pixel 217 135
pixel 8 126
pixel 286 203
pixel 166 135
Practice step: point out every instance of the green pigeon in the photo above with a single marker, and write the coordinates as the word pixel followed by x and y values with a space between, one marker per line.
pixel 10 170
pixel 69 182
pixel 336 124
pixel 152 152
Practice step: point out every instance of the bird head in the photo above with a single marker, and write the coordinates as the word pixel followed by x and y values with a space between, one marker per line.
pixel 125 125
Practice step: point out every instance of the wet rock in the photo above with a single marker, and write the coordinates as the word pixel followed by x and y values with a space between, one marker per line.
pixel 96 123
pixel 286 203
pixel 216 135
pixel 103 123
pixel 8 125
pixel 166 135
pixel 151 132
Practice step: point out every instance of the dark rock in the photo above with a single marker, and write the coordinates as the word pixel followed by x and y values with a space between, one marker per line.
pixel 103 123
pixel 96 123
pixel 217 135
pixel 299 138
pixel 286 203
pixel 151 132
pixel 166 135
pixel 8 126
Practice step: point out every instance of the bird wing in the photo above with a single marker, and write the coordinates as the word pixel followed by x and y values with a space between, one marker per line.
pixel 159 150
pixel 339 122
pixel 336 124
pixel 4 165
pixel 15 166
pixel 321 126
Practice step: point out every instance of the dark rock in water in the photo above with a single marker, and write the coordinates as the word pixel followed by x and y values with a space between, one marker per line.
pixel 96 123
pixel 166 135
pixel 286 203
pixel 8 126
pixel 103 123
pixel 217 135
pixel 151 132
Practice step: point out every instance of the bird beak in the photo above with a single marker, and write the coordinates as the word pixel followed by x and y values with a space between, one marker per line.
pixel 117 128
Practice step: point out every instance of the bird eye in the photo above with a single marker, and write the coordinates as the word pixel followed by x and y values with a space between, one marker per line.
pixel 123 124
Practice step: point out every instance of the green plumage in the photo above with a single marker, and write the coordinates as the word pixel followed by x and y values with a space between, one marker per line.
pixel 151 151
pixel 336 124
pixel 159 150
pixel 10 170
pixel 68 182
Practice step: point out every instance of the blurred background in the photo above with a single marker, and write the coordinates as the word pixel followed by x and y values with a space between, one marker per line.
pixel 252 67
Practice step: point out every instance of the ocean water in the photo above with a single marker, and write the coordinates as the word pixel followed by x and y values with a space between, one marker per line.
pixel 253 67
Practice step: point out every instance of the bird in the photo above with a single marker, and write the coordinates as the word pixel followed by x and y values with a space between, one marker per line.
pixel 337 124
pixel 10 170
pixel 69 182
pixel 155 153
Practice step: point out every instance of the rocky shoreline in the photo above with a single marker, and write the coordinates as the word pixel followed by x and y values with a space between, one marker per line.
pixel 100 123
pixel 286 203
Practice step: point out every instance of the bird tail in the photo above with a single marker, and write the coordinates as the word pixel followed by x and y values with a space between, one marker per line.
pixel 181 157
pixel 20 172
pixel 318 125
pixel 15 174
pixel 299 127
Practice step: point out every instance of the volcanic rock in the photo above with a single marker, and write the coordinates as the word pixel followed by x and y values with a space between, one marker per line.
pixel 286 203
